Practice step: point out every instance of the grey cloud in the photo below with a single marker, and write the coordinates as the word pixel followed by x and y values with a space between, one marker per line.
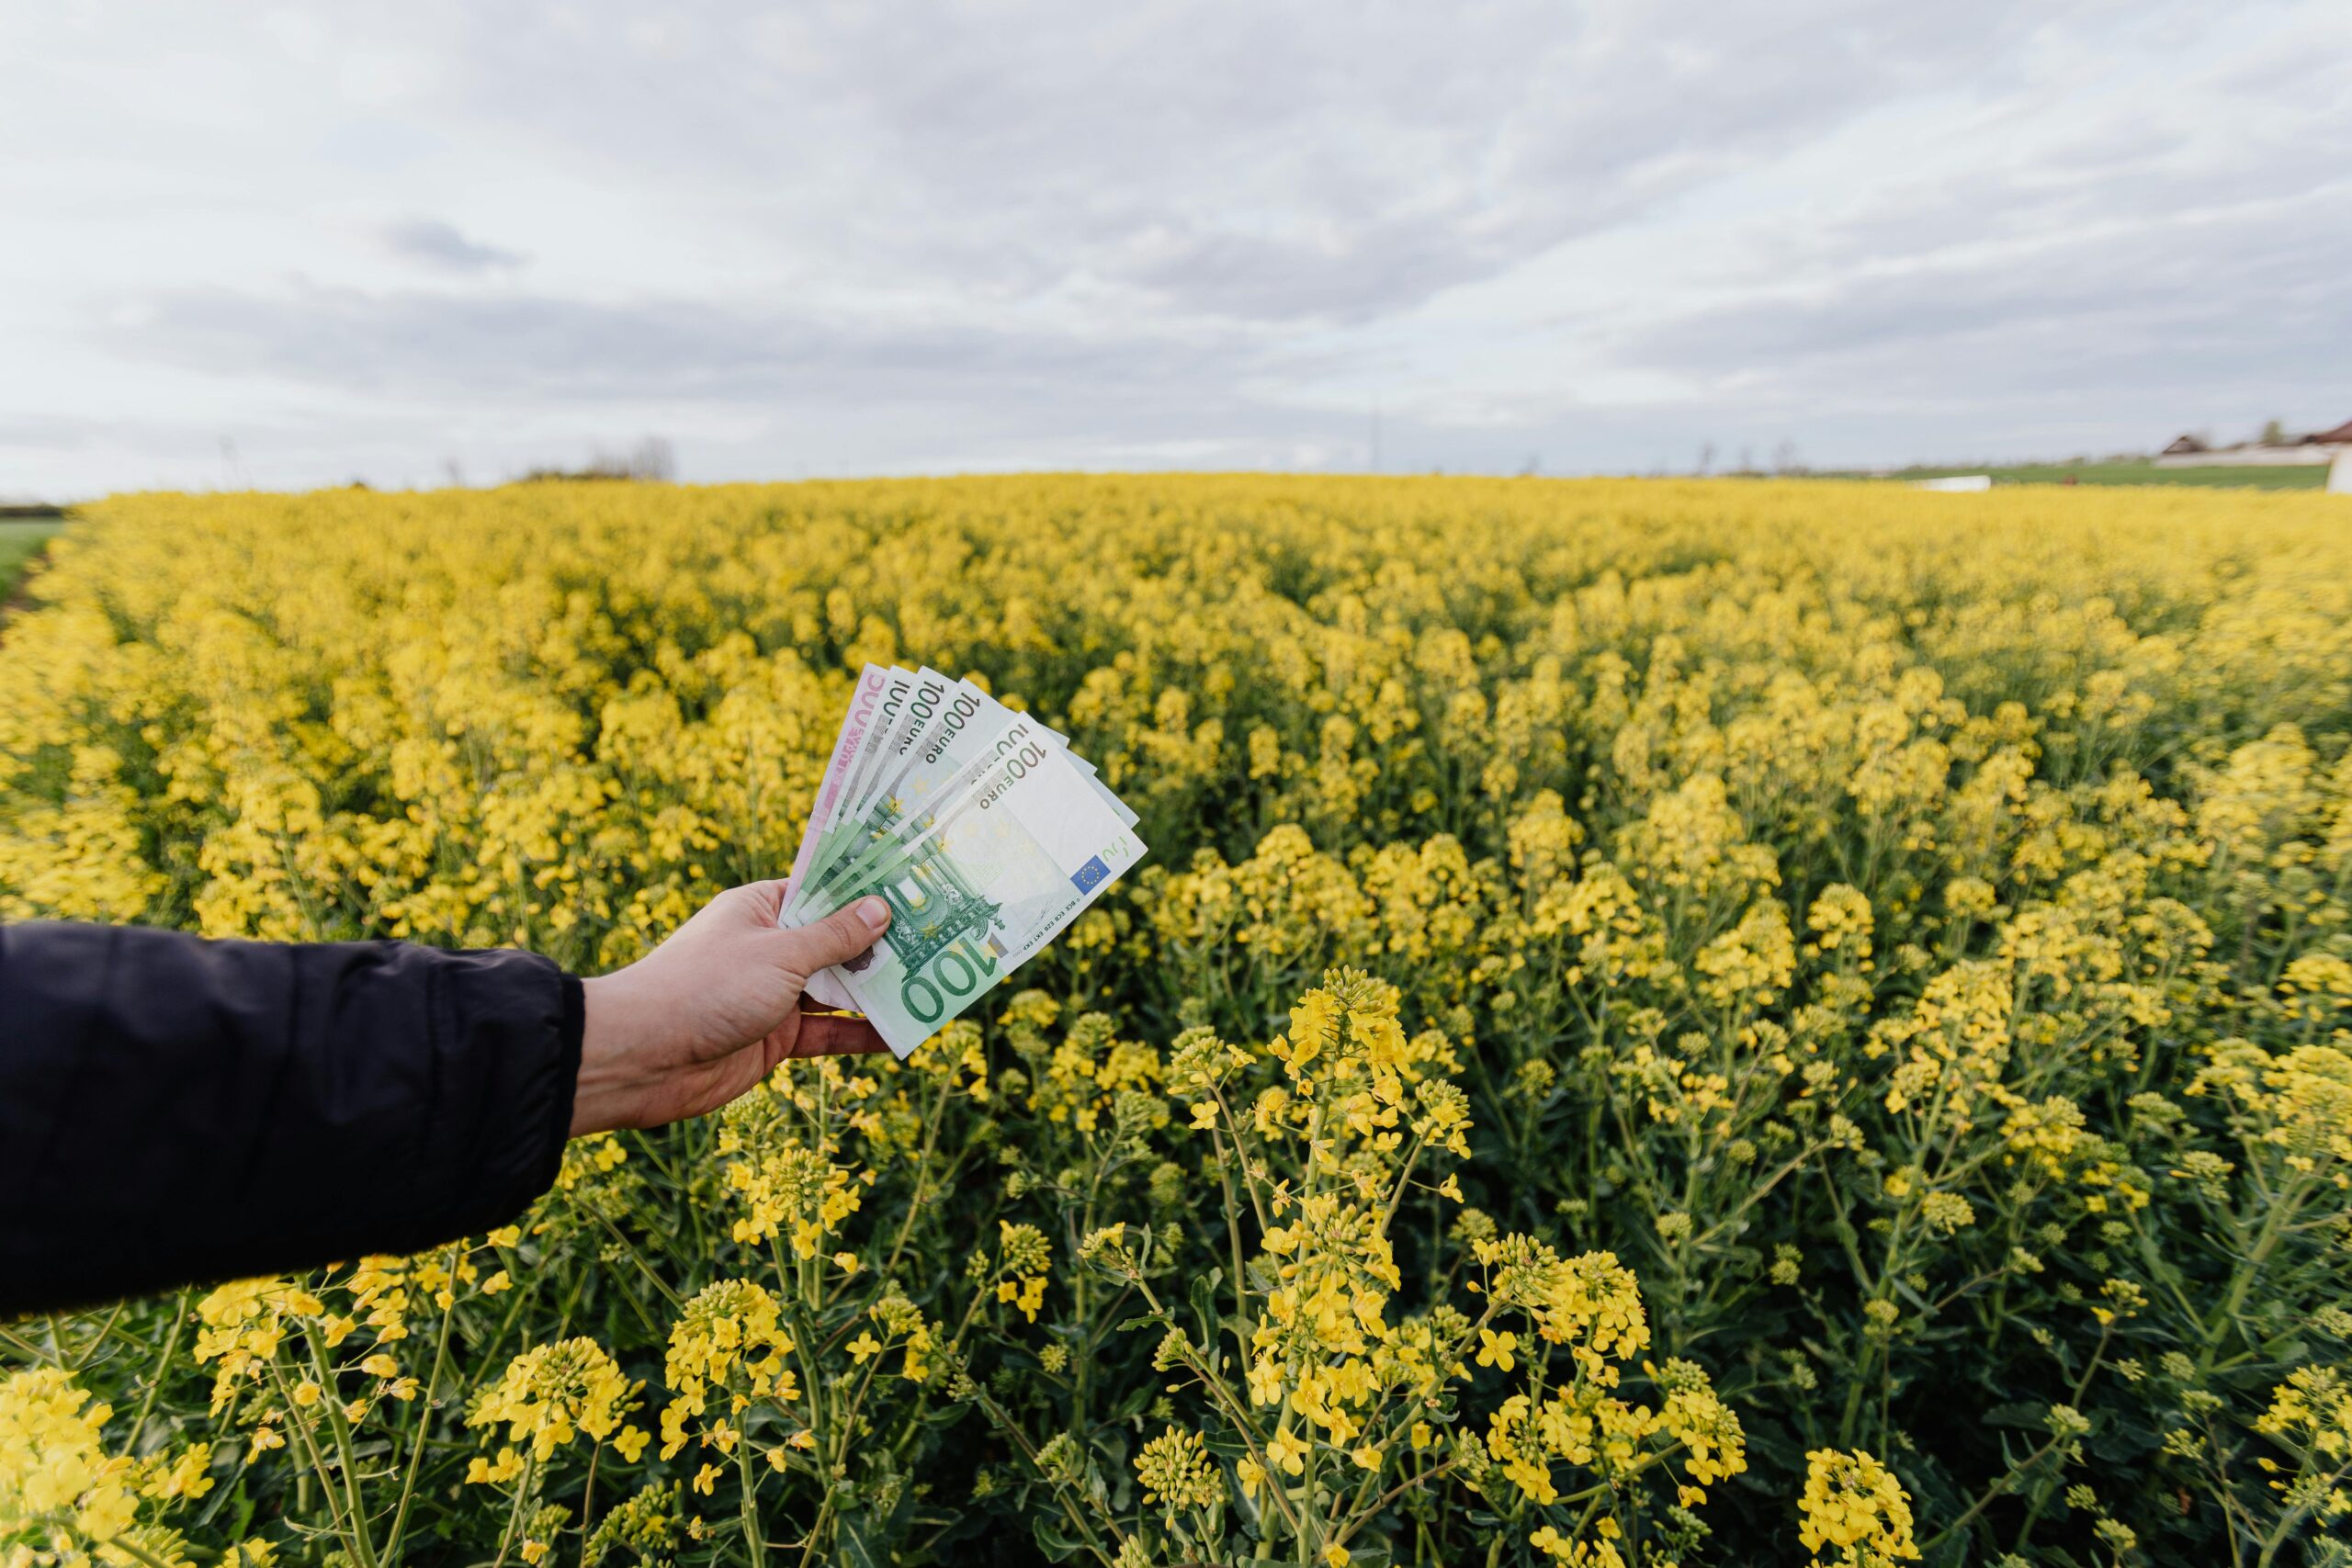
pixel 387 382
pixel 1331 162
pixel 439 245
pixel 2153 324
pixel 420 347
pixel 2151 264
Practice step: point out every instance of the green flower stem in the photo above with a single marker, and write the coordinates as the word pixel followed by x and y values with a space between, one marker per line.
pixel 750 1510
pixel 180 1315
pixel 587 1500
pixel 1244 1326
pixel 29 1350
pixel 363 1548
pixel 345 1523
pixel 515 1511
pixel 1992 1494
pixel 1243 1422
pixel 1004 1423
pixel 424 1413
pixel 922 1176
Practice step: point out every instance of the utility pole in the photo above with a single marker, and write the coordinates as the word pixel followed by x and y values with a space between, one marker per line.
pixel 1375 432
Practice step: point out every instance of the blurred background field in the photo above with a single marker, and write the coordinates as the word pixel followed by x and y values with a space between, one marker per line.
pixel 2305 476
pixel 22 542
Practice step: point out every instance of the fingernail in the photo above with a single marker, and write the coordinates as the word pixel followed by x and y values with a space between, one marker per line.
pixel 875 913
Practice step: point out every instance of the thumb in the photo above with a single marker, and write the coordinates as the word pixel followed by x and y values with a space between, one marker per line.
pixel 836 939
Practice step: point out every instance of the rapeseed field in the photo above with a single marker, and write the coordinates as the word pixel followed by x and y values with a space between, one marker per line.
pixel 1666 1024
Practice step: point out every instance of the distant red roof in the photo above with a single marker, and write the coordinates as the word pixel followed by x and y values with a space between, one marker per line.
pixel 2184 445
pixel 2340 437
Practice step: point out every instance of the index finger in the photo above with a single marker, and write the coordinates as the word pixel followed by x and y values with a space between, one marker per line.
pixel 836 1034
pixel 770 897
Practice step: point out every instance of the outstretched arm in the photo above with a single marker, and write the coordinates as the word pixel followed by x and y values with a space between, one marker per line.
pixel 172 1110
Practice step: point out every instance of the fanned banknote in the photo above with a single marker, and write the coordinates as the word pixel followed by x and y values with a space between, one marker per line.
pixel 977 825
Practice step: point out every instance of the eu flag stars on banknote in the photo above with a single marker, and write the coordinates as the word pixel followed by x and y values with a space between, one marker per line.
pixel 982 829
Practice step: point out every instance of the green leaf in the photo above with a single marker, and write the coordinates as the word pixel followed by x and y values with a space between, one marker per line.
pixel 1203 1299
pixel 2023 1413
pixel 1052 1536
pixel 855 1545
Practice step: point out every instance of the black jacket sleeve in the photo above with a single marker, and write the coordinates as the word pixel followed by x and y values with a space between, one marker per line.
pixel 177 1111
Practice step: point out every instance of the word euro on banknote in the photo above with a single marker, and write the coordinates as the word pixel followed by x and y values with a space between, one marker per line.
pixel 964 719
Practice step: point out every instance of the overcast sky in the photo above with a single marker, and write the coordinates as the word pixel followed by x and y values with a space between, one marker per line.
pixel 298 245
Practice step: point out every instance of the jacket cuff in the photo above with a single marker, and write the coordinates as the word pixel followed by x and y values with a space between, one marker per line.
pixel 570 1031
pixel 555 1096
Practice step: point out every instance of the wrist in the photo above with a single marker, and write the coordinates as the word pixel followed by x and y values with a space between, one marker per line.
pixel 604 1095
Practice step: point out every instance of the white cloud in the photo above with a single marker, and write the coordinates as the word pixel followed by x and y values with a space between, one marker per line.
pixel 363 238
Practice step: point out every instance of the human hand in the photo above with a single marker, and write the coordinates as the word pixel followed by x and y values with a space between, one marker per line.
pixel 706 1015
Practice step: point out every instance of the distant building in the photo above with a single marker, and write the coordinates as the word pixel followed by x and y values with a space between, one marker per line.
pixel 2187 451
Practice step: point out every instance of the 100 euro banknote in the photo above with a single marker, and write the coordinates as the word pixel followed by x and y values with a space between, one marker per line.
pixel 910 737
pixel 890 824
pixel 985 880
pixel 936 755
pixel 897 766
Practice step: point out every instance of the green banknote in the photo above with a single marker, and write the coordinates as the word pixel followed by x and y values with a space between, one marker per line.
pixel 919 695
pixel 993 873
pixel 858 729
pixel 887 826
pixel 961 722
pixel 943 725
pixel 929 701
